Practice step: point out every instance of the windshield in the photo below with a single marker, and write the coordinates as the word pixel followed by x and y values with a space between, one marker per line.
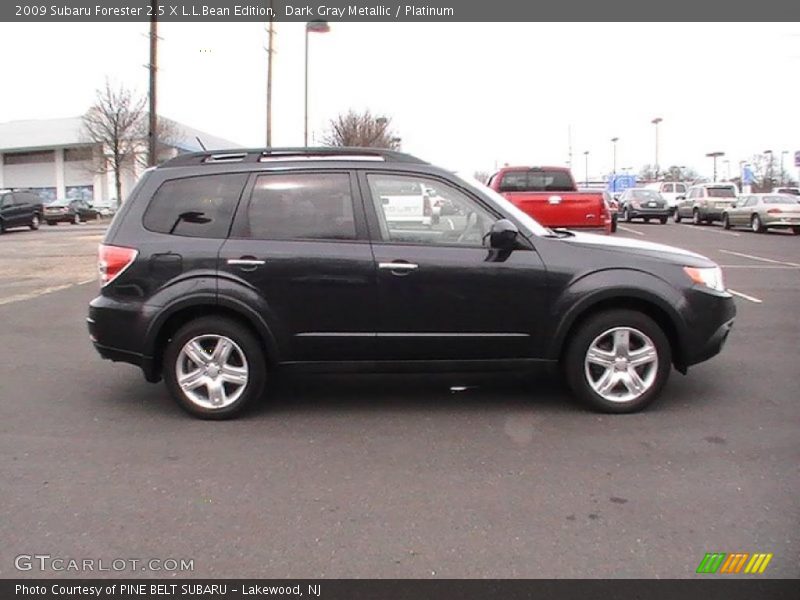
pixel 792 191
pixel 524 219
pixel 721 192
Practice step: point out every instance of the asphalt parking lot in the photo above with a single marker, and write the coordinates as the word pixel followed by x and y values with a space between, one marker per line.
pixel 399 476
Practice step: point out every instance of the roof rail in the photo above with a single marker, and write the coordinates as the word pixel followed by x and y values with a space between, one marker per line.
pixel 253 155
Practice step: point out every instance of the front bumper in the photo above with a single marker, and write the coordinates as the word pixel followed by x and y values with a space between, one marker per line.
pixel 639 213
pixel 711 320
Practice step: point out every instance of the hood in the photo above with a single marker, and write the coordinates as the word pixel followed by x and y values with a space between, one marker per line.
pixel 640 248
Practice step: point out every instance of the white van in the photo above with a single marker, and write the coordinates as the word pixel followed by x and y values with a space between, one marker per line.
pixel 670 190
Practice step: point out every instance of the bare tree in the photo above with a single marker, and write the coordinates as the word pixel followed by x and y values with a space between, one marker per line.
pixel 482 176
pixel 114 122
pixel 168 134
pixel 362 130
pixel 675 173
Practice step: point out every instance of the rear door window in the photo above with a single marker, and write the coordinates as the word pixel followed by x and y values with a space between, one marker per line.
pixel 200 206
pixel 667 187
pixel 299 206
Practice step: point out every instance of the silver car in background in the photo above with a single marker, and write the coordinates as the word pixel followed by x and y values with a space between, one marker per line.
pixel 762 211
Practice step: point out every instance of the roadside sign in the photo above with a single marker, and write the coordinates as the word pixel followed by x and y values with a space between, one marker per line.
pixel 797 159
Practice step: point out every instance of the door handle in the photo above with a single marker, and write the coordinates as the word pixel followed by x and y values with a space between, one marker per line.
pixel 246 264
pixel 554 200
pixel 398 266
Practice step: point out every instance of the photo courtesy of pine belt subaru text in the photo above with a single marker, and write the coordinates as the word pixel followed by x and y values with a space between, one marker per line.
pixel 222 268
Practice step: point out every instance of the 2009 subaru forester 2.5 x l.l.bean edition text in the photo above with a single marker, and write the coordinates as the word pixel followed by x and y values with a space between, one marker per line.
pixel 221 268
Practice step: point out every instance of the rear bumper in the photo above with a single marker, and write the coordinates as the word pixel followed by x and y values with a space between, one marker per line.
pixel 117 331
pixel 639 213
pixel 778 222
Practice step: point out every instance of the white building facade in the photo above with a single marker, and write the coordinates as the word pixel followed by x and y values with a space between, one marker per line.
pixel 53 159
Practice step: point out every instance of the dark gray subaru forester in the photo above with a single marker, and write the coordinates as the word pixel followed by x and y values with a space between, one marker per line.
pixel 222 267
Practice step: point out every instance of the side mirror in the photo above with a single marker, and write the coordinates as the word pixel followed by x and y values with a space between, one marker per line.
pixel 733 205
pixel 503 235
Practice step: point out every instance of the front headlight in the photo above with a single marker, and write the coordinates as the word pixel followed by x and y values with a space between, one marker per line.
pixel 710 277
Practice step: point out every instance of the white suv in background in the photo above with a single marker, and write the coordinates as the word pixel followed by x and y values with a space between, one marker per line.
pixel 670 191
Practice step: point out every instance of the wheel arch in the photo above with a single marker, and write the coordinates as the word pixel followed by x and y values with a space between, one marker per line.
pixel 660 311
pixel 176 316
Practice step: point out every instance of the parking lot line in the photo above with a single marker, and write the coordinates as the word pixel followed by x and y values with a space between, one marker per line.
pixel 760 267
pixel 711 229
pixel 761 258
pixel 745 296
pixel 629 230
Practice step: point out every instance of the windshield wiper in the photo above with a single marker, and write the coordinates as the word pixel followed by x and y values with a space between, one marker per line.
pixel 559 232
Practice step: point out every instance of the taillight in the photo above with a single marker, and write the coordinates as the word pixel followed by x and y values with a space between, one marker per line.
pixel 113 260
pixel 774 211
pixel 426 206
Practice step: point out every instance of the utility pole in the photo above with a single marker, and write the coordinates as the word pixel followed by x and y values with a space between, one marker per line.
pixel 152 141
pixel 715 156
pixel 270 33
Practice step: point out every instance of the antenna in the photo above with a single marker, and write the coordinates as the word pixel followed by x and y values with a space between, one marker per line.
pixel 199 141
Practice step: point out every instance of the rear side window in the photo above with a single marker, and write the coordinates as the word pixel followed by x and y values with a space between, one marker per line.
pixel 300 206
pixel 680 188
pixel 721 192
pixel 195 206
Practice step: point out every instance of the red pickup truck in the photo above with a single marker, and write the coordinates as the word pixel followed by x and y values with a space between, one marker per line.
pixel 550 196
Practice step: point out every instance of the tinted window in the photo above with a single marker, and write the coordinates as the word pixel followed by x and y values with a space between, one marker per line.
pixel 536 181
pixel 195 206
pixel 680 188
pixel 646 195
pixel 315 206
pixel 667 187
pixel 721 192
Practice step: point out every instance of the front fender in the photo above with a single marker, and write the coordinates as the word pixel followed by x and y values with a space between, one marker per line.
pixel 607 286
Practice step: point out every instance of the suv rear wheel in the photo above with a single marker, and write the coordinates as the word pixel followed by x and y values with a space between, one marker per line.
pixel 214 367
pixel 618 361
pixel 696 219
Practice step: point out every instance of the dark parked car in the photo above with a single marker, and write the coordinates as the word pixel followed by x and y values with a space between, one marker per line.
pixel 70 211
pixel 636 203
pixel 19 209
pixel 223 267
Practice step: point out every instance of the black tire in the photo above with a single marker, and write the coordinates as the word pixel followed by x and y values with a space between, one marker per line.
pixel 756 225
pixel 246 342
pixel 796 230
pixel 51 223
pixel 614 223
pixel 575 371
pixel 696 220
pixel 647 219
pixel 627 215
pixel 34 224
pixel 2 226
pixel 76 219
pixel 726 222
pixel 662 220
pixel 676 216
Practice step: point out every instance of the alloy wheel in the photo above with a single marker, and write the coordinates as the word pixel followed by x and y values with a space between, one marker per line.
pixel 621 364
pixel 212 371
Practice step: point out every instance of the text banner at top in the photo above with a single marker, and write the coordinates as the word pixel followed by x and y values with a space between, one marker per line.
pixel 387 10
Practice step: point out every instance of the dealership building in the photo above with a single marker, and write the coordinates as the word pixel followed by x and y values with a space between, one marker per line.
pixel 54 159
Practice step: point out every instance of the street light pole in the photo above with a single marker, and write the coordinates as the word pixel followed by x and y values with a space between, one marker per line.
pixel 655 122
pixel 769 170
pixel 311 27
pixel 715 156
pixel 783 153
pixel 614 141
pixel 586 166
pixel 270 51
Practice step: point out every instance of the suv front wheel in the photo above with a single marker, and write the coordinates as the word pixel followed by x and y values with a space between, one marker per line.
pixel 618 361
pixel 214 367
